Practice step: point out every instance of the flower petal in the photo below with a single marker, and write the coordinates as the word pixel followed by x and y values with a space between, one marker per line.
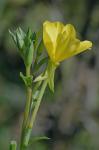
pixel 70 30
pixel 61 42
pixel 79 47
pixel 84 45
pixel 53 29
pixel 66 43
pixel 70 50
pixel 48 43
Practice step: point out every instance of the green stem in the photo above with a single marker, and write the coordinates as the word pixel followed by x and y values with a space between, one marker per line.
pixel 27 109
pixel 34 113
pixel 13 145
pixel 38 104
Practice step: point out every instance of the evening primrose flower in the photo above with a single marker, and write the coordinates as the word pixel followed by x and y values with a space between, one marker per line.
pixel 61 42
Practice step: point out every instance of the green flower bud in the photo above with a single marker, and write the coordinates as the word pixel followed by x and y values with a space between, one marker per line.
pixel 25 43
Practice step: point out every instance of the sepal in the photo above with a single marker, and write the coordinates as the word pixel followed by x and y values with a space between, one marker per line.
pixel 51 73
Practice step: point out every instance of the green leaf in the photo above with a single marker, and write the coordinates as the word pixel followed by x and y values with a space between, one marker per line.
pixel 40 48
pixel 27 39
pixel 39 33
pixel 40 78
pixel 20 35
pixel 33 38
pixel 19 42
pixel 13 36
pixel 40 63
pixel 36 139
pixel 28 48
pixel 28 59
pixel 27 80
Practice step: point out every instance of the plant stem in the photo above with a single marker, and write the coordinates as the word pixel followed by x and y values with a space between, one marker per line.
pixel 27 109
pixel 13 145
pixel 28 99
pixel 34 113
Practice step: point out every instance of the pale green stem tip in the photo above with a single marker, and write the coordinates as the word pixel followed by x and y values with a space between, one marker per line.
pixel 13 145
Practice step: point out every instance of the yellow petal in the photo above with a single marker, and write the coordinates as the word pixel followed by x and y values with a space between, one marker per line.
pixel 80 47
pixel 48 44
pixel 61 42
pixel 53 29
pixel 66 43
pixel 84 45
pixel 70 50
pixel 70 30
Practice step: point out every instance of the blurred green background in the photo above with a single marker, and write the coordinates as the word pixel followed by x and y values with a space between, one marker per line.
pixel 70 116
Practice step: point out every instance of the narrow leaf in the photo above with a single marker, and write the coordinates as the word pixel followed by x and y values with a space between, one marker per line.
pixel 40 63
pixel 40 48
pixel 40 78
pixel 36 139
pixel 27 80
pixel 13 36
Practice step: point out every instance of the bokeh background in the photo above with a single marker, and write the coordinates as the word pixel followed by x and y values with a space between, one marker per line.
pixel 70 116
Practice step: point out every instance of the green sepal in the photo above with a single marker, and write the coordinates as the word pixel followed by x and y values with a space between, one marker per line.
pixel 28 56
pixel 27 80
pixel 50 73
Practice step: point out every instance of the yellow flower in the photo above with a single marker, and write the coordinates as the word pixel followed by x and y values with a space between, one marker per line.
pixel 61 42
